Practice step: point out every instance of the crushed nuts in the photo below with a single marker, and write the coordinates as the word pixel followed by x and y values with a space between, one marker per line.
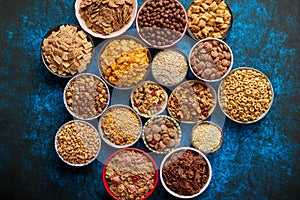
pixel 209 18
pixel 207 137
pixel 77 142
pixel 192 101
pixel 246 95
pixel 211 59
pixel 120 125
pixel 149 99
pixel 124 62
pixel 106 16
pixel 161 134
pixel 130 175
pixel 67 50
pixel 185 172
pixel 86 96
pixel 169 67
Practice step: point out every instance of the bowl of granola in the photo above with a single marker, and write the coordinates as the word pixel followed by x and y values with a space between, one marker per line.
pixel 130 173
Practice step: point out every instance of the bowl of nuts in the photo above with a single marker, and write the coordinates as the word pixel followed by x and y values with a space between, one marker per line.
pixel 106 18
pixel 161 23
pixel 207 137
pixel 169 67
pixel 210 59
pixel 185 172
pixel 161 134
pixel 120 126
pixel 149 99
pixel 77 143
pixel 245 95
pixel 124 62
pixel 209 19
pixel 86 96
pixel 192 101
pixel 67 50
pixel 130 173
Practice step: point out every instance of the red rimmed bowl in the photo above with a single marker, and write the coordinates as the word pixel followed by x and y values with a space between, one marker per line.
pixel 137 179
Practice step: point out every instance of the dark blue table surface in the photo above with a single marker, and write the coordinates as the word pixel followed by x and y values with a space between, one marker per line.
pixel 256 161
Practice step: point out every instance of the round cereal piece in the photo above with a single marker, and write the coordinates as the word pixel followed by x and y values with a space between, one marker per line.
pixel 149 99
pixel 130 173
pixel 120 126
pixel 245 95
pixel 86 96
pixel 207 137
pixel 77 143
pixel 161 134
pixel 124 62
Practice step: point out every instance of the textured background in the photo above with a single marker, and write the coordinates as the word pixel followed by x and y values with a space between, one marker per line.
pixel 257 161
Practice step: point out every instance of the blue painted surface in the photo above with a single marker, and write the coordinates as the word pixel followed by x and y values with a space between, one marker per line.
pixel 257 161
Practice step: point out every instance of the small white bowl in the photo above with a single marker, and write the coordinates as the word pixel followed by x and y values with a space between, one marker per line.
pixel 113 34
pixel 174 193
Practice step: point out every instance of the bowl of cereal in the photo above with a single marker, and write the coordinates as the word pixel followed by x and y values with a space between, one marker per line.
pixel 106 19
pixel 192 101
pixel 161 134
pixel 210 59
pixel 120 126
pixel 185 172
pixel 86 96
pixel 149 99
pixel 77 143
pixel 169 67
pixel 209 19
pixel 124 62
pixel 245 95
pixel 161 24
pixel 130 173
pixel 67 50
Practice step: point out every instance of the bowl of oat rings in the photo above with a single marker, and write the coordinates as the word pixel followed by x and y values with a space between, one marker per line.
pixel 185 172
pixel 130 173
pixel 106 19
pixel 245 95
pixel 124 62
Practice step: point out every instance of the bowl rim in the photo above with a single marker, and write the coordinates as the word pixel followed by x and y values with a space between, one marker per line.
pixel 102 134
pixel 111 35
pixel 174 50
pixel 270 104
pixel 214 94
pixel 163 106
pixel 123 37
pixel 130 149
pixel 180 149
pixel 211 39
pixel 161 116
pixel 228 29
pixel 156 46
pixel 56 142
pixel 65 100
pixel 56 28
pixel 210 123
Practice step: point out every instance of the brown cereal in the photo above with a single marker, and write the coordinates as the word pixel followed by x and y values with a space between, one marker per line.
pixel 149 99
pixel 130 175
pixel 106 17
pixel 246 95
pixel 192 101
pixel 86 96
pixel 77 143
pixel 211 59
pixel 124 62
pixel 67 50
pixel 120 125
pixel 209 18
pixel 185 172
